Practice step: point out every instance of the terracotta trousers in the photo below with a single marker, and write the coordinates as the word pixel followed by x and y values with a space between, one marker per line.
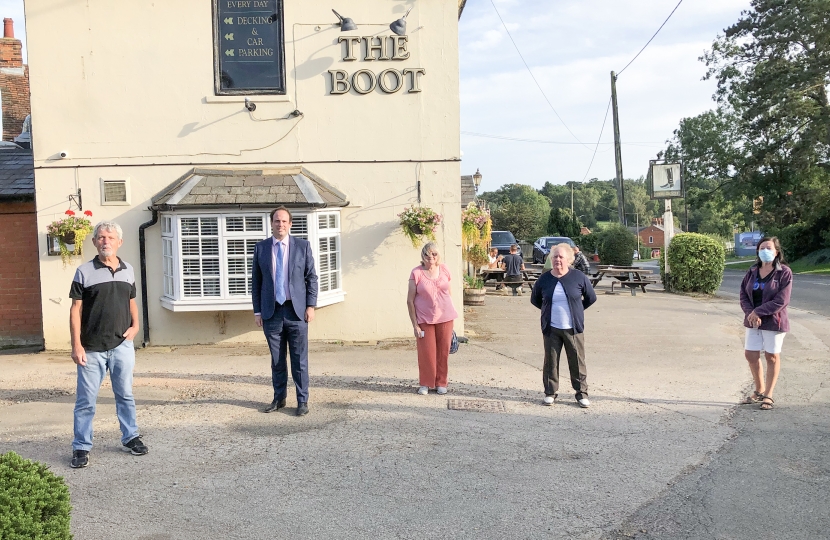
pixel 433 353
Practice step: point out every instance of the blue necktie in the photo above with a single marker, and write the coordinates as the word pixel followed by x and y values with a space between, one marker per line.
pixel 279 282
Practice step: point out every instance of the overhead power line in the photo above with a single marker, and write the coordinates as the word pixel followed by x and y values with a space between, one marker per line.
pixel 649 41
pixel 534 77
pixel 539 141
pixel 598 139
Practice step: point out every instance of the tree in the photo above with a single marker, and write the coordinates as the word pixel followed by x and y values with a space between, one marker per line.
pixel 561 222
pixel 520 209
pixel 771 131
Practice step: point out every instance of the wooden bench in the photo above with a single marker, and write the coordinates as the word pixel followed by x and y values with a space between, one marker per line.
pixel 633 284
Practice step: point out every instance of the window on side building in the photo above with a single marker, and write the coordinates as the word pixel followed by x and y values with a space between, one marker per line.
pixel 207 258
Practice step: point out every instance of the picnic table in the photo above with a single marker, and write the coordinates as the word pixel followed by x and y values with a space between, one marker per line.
pixel 625 276
pixel 529 277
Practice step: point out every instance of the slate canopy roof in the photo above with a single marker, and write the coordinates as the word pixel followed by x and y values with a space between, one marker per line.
pixel 294 187
pixel 17 173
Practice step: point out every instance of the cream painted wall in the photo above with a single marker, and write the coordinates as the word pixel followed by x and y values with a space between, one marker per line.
pixel 127 91
pixel 127 83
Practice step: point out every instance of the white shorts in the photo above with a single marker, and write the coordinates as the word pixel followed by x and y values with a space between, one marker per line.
pixel 764 340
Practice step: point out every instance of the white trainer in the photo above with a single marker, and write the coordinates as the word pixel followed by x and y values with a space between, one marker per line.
pixel 549 400
pixel 441 390
pixel 584 403
pixel 424 390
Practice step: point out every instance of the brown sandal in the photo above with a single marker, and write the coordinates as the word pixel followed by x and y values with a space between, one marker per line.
pixel 767 406
pixel 752 399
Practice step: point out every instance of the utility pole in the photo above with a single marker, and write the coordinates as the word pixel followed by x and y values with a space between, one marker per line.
pixel 618 150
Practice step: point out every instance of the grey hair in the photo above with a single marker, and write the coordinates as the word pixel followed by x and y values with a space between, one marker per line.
pixel 569 252
pixel 107 226
pixel 429 247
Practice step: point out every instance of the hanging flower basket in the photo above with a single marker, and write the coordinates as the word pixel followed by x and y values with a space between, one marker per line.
pixel 418 223
pixel 70 233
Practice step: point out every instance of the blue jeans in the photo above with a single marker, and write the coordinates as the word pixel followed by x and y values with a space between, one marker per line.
pixel 119 362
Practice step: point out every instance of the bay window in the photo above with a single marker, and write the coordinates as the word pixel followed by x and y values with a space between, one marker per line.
pixel 207 258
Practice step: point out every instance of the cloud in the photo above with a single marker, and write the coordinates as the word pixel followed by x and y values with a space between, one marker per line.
pixel 571 47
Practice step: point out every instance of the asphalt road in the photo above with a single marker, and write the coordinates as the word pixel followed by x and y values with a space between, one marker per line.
pixel 771 479
pixel 811 292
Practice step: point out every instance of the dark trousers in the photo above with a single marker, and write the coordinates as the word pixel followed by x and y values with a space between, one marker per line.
pixel 574 345
pixel 287 333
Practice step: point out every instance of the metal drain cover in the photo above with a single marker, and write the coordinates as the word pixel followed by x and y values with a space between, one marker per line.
pixel 479 405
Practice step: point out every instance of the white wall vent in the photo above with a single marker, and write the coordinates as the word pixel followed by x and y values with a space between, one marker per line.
pixel 115 192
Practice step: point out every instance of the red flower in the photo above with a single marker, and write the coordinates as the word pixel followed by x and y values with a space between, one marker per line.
pixel 88 213
pixel 69 213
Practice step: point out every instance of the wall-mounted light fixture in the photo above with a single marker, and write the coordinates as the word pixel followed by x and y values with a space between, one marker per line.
pixel 346 23
pixel 399 26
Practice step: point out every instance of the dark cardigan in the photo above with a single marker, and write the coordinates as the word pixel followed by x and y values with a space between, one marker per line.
pixel 774 300
pixel 578 289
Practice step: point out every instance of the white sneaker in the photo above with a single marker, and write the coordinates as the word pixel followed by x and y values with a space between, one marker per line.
pixel 584 403
pixel 424 390
pixel 441 390
pixel 549 400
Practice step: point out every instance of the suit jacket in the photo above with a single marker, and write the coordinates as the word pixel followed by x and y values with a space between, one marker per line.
pixel 302 277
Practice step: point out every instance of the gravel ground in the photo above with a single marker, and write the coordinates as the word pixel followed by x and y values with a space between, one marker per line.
pixel 375 460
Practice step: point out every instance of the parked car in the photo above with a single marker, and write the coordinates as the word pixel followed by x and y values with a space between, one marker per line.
pixel 636 255
pixel 542 246
pixel 502 240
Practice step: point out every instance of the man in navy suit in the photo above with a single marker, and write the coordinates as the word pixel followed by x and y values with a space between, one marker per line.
pixel 284 295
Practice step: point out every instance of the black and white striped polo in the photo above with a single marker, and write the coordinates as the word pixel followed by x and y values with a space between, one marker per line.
pixel 105 310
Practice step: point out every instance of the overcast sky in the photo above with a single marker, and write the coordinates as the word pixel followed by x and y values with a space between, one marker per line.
pixel 571 46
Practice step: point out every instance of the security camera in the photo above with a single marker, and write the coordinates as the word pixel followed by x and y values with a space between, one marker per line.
pixel 64 154
pixel 250 105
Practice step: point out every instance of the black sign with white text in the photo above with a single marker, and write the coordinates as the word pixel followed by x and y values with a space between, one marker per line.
pixel 248 47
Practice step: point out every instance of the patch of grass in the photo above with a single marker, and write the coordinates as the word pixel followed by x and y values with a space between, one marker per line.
pixel 817 262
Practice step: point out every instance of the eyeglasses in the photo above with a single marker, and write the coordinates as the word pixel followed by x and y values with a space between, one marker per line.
pixel 429 255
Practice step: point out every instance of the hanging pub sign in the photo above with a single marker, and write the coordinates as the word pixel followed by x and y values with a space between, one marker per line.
pixel 248 52
pixel 665 180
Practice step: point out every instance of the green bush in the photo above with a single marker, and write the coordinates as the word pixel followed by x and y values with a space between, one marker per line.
pixel 696 263
pixel 616 246
pixel 587 242
pixel 34 503
pixel 798 240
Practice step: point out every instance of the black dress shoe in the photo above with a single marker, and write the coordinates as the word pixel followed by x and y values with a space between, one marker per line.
pixel 275 405
pixel 302 409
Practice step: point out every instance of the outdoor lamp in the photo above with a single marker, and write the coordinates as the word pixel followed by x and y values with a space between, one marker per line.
pixel 399 26
pixel 477 178
pixel 346 23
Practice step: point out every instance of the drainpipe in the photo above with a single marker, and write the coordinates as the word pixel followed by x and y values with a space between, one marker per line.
pixel 145 308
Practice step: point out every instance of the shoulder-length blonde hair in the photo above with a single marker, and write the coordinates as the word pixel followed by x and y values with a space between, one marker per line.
pixel 428 248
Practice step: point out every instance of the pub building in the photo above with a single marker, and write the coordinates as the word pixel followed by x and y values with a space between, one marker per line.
pixel 186 122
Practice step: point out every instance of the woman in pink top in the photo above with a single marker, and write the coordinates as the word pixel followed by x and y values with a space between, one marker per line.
pixel 432 314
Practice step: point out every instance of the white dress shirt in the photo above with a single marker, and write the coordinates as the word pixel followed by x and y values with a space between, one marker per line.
pixel 286 270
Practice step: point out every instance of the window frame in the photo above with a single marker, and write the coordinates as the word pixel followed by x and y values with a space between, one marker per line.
pixel 171 233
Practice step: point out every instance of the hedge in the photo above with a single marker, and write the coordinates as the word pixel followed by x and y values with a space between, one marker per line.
pixel 696 263
pixel 34 502
pixel 616 246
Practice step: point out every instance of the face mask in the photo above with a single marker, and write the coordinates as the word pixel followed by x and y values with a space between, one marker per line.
pixel 766 255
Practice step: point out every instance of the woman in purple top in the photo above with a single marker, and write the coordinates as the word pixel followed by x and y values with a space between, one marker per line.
pixel 765 295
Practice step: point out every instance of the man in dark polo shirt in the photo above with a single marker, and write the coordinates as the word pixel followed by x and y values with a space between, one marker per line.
pixel 513 267
pixel 103 321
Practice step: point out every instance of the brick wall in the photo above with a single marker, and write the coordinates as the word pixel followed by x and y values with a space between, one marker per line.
pixel 656 234
pixel 14 85
pixel 20 313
